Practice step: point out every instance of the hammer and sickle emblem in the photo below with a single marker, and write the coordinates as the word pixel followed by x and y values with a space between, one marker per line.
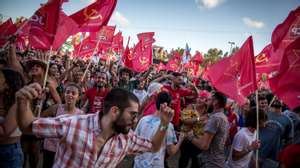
pixel 91 14
pixel 130 55
pixel 261 58
pixel 143 60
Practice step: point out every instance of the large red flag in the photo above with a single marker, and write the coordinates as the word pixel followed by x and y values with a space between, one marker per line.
pixel 285 84
pixel 284 34
pixel 235 76
pixel 174 64
pixel 6 30
pixel 43 25
pixel 288 31
pixel 142 54
pixel 66 27
pixel 117 44
pixel 96 15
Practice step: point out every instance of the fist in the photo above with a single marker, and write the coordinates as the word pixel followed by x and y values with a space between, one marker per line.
pixel 166 114
pixel 29 92
pixel 255 145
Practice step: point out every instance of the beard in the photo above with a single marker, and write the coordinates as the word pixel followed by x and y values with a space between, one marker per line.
pixel 100 85
pixel 120 125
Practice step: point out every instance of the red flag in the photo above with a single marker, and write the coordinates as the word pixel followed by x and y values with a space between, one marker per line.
pixel 160 67
pixel 104 37
pixel 96 15
pixel 235 76
pixel 288 31
pixel 262 60
pixel 284 34
pixel 117 43
pixel 66 27
pixel 142 54
pixel 127 55
pixel 43 25
pixel 146 39
pixel 198 58
pixel 174 64
pixel 86 49
pixel 6 30
pixel 285 84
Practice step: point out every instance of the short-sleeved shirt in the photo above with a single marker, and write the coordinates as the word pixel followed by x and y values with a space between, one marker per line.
pixel 242 140
pixel 96 99
pixel 77 146
pixel 217 125
pixel 147 128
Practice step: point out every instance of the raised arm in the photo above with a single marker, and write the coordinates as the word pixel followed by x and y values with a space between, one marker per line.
pixel 166 115
pixel 24 96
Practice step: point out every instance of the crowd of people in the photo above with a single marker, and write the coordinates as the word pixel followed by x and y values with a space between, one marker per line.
pixel 93 116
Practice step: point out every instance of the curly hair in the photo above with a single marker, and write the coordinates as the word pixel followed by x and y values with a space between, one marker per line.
pixel 15 82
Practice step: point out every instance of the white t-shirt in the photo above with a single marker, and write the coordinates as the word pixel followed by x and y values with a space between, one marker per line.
pixel 140 94
pixel 241 141
pixel 146 128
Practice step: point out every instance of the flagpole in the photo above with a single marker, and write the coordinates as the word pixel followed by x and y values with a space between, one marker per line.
pixel 94 52
pixel 257 127
pixel 45 81
pixel 273 99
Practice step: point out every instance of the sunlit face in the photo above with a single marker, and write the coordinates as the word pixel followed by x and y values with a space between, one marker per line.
pixel 114 68
pixel 36 69
pixel 127 119
pixel 54 70
pixel 71 95
pixel 101 79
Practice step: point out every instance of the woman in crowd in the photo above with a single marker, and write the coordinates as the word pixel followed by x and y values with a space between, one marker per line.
pixel 71 94
pixel 11 155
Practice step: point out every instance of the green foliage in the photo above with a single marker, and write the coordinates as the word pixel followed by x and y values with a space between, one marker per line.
pixel 212 56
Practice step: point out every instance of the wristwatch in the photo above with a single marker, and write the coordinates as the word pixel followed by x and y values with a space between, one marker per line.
pixel 163 127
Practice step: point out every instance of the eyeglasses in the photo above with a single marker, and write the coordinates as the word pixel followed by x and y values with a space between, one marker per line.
pixel 134 115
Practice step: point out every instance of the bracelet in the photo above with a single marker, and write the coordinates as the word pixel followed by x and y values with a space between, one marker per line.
pixel 163 127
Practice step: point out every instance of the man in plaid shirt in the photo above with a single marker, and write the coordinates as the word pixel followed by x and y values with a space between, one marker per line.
pixel 94 140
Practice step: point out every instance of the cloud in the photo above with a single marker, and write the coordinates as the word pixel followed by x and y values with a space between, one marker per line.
pixel 208 4
pixel 253 23
pixel 120 19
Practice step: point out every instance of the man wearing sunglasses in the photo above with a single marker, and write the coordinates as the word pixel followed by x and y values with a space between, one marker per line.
pixel 94 140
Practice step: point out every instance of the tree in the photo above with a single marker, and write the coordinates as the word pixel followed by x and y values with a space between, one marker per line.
pixel 234 50
pixel 212 56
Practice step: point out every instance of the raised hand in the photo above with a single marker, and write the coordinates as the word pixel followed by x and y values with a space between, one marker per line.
pixel 166 114
pixel 29 92
pixel 254 145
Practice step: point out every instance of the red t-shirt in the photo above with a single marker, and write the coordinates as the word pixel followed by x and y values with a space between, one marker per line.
pixel 290 156
pixel 175 104
pixel 96 99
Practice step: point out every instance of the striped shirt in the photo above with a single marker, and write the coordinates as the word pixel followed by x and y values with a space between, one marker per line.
pixel 77 146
